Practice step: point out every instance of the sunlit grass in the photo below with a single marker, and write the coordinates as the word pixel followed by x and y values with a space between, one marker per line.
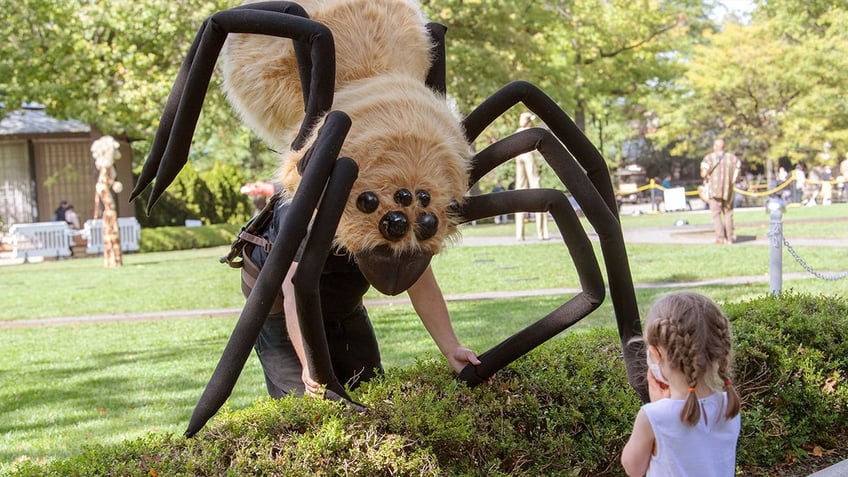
pixel 62 387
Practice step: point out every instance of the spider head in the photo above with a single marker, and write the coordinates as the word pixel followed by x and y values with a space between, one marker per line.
pixel 413 173
pixel 402 209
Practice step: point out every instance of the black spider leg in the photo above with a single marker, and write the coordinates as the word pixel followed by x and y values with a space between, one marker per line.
pixel 306 279
pixel 166 122
pixel 603 216
pixel 293 229
pixel 281 19
pixel 575 238
pixel 437 76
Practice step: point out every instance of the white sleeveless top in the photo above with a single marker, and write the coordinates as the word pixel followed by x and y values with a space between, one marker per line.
pixel 706 449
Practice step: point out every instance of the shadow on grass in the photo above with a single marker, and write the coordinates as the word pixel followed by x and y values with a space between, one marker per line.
pixel 64 404
pixel 105 379
pixel 482 324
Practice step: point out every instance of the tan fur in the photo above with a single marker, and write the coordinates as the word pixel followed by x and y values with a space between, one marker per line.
pixel 260 72
pixel 402 136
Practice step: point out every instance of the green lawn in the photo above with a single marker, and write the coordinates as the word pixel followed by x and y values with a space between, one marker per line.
pixel 62 387
pixel 194 279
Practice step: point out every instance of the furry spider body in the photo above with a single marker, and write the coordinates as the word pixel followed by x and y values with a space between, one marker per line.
pixel 403 137
pixel 377 163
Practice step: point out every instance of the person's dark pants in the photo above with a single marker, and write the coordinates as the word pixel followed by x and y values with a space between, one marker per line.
pixel 353 349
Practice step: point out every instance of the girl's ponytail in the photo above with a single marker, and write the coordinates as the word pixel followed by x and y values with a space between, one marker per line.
pixel 733 400
pixel 691 411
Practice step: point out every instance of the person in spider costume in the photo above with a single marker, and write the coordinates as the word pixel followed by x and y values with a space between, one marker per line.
pixel 354 350
pixel 377 164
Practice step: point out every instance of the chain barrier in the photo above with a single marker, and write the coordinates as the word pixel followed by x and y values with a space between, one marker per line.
pixel 808 268
pixel 652 184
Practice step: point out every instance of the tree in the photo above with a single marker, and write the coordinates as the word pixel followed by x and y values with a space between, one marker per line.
pixel 112 64
pixel 771 88
pixel 597 58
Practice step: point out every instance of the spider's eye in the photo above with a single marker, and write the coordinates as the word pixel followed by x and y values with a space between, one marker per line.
pixel 423 197
pixel 394 225
pixel 426 226
pixel 367 202
pixel 403 197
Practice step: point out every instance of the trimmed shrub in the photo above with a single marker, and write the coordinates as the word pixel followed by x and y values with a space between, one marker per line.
pixel 792 364
pixel 563 410
pixel 164 239
pixel 212 197
pixel 229 205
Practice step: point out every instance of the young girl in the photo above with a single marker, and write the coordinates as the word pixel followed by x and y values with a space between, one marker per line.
pixel 692 423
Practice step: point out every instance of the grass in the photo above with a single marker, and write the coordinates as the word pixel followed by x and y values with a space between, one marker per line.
pixel 194 279
pixel 62 387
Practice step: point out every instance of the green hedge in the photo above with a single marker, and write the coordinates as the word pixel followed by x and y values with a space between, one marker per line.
pixel 212 197
pixel 565 409
pixel 164 239
pixel 792 363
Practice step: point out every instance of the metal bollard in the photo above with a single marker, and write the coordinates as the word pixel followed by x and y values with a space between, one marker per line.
pixel 776 208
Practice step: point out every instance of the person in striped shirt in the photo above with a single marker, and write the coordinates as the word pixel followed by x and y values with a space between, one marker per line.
pixel 720 169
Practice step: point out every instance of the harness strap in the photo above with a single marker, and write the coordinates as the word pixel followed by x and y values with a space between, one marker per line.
pixel 235 258
pixel 249 274
pixel 240 250
pixel 255 240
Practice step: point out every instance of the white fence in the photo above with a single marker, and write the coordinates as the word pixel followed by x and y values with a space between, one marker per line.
pixel 41 239
pixel 54 239
pixel 129 228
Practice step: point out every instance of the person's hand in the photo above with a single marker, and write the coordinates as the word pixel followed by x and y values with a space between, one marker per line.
pixel 312 387
pixel 462 357
pixel 656 389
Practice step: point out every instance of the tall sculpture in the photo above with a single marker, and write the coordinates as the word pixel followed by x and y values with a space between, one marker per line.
pixel 106 151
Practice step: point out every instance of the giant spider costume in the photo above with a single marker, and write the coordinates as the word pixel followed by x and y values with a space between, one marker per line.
pixel 377 163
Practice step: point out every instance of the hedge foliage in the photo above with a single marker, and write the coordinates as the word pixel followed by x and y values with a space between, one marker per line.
pixel 212 197
pixel 563 410
pixel 792 365
pixel 165 239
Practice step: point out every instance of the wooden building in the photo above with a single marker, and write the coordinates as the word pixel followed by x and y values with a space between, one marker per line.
pixel 44 160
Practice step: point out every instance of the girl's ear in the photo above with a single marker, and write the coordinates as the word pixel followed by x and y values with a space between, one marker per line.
pixel 657 354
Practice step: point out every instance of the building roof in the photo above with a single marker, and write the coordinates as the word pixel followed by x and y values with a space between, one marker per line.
pixel 32 119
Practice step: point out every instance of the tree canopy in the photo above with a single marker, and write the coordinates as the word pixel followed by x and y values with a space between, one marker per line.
pixel 657 74
pixel 773 88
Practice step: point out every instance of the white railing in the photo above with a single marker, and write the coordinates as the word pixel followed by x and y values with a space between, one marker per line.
pixel 41 239
pixel 128 227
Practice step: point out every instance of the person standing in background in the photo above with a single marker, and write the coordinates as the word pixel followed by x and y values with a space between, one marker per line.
pixel 71 217
pixel 527 177
pixel 504 218
pixel 720 170
pixel 800 182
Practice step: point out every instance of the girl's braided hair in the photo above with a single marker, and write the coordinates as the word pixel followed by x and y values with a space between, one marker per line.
pixel 696 336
